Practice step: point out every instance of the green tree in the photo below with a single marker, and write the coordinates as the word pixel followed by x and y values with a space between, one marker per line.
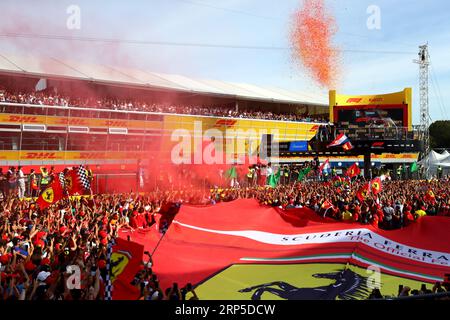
pixel 440 134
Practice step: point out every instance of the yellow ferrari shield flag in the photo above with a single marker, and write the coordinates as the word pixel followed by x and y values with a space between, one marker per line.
pixel 50 195
pixel 376 186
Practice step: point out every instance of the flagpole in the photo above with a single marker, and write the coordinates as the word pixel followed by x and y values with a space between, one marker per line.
pixel 159 241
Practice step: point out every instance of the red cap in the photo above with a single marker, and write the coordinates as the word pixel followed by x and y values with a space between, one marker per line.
pixel 103 234
pixel 39 243
pixel 51 279
pixel 101 264
pixel 45 262
pixel 62 229
pixel 30 266
pixel 4 259
pixel 40 235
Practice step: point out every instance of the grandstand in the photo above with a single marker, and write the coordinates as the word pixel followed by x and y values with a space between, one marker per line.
pixel 112 118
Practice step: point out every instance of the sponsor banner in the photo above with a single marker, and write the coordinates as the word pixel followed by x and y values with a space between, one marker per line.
pixel 298 146
pixel 238 136
pixel 77 121
pixel 69 155
pixel 283 131
pixel 118 155
pixel 376 100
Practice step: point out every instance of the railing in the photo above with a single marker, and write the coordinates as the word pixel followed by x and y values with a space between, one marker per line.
pixel 329 133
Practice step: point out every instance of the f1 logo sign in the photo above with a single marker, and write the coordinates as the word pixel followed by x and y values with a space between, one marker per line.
pixel 354 100
pixel 377 145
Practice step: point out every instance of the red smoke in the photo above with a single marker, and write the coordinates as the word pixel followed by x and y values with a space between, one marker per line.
pixel 311 37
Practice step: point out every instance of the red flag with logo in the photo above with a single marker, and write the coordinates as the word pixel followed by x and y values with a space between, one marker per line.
pixel 363 192
pixel 430 197
pixel 50 195
pixel 327 205
pixel 348 146
pixel 125 263
pixel 376 186
pixel 353 171
pixel 73 183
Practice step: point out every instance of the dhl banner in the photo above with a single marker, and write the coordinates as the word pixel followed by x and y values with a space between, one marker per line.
pixel 101 155
pixel 75 121
pixel 387 102
pixel 68 155
pixel 248 130
pixel 282 130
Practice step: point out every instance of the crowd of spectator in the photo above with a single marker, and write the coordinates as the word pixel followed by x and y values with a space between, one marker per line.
pixel 36 246
pixel 438 291
pixel 40 98
pixel 400 204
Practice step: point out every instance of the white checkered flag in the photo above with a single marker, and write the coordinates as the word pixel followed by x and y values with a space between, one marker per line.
pixel 62 179
pixel 84 180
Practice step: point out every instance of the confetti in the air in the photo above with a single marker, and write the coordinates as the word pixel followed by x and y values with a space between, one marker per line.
pixel 311 36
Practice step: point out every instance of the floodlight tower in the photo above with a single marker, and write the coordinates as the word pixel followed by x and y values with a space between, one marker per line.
pixel 424 63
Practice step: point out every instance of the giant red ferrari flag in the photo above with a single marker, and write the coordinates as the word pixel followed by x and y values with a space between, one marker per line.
pixel 257 252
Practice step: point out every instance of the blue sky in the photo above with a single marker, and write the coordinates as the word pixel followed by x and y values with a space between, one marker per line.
pixel 404 26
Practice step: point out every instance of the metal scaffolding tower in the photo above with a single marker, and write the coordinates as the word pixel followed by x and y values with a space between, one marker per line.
pixel 424 63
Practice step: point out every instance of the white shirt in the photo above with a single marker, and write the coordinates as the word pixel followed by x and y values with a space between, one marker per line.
pixel 21 177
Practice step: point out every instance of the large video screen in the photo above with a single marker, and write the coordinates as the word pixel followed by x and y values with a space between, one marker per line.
pixel 372 117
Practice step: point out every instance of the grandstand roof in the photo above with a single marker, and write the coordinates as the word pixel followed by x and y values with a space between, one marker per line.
pixel 57 68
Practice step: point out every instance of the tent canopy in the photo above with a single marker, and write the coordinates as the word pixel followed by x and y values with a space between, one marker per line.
pixel 435 160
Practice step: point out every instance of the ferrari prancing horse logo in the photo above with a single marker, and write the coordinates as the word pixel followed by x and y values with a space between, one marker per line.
pixel 49 195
